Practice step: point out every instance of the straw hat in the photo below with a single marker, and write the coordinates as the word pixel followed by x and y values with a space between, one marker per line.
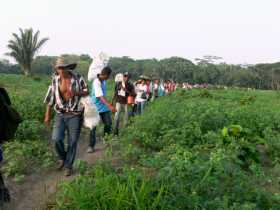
pixel 61 64
pixel 143 77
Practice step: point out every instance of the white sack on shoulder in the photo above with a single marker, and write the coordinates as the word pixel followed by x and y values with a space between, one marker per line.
pixel 97 65
pixel 91 116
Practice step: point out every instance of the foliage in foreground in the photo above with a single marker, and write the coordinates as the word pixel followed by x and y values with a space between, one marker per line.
pixel 29 151
pixel 198 149
pixel 25 157
pixel 105 188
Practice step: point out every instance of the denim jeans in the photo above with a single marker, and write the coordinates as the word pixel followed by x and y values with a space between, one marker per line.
pixel 140 107
pixel 71 124
pixel 106 119
pixel 119 108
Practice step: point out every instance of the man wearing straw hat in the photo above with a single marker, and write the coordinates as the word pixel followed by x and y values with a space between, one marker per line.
pixel 64 95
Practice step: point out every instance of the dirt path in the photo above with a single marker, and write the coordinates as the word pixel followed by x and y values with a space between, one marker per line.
pixel 38 189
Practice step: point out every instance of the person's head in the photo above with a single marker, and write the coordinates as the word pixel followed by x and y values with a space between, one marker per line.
pixel 143 82
pixel 63 72
pixel 126 76
pixel 138 82
pixel 156 81
pixel 63 69
pixel 105 73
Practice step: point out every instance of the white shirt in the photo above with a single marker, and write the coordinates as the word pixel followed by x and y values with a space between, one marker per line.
pixel 140 89
pixel 155 86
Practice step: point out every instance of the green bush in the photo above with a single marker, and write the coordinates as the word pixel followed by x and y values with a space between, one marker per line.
pixel 191 150
pixel 106 189
pixel 25 157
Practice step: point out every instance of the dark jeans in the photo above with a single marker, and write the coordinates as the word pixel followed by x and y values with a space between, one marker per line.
pixel 133 110
pixel 71 124
pixel 107 121
pixel 141 107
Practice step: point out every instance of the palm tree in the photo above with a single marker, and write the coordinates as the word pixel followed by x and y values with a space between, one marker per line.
pixel 24 47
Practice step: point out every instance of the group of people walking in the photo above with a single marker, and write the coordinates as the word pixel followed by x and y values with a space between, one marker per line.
pixel 64 95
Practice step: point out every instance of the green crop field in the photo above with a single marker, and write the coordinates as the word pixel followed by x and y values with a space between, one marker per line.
pixel 196 149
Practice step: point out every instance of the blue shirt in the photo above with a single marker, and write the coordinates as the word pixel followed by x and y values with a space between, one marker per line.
pixel 99 90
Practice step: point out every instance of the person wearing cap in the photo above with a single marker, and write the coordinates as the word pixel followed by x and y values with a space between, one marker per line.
pixel 123 90
pixel 64 94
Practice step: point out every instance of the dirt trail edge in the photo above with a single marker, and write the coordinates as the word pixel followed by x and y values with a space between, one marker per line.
pixel 38 189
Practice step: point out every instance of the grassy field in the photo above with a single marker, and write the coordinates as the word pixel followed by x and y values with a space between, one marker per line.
pixel 199 149
pixel 195 149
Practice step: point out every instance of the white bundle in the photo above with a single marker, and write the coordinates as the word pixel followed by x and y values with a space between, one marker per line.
pixel 119 77
pixel 91 116
pixel 97 65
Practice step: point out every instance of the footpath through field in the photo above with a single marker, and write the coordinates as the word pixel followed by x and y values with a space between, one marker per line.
pixel 39 189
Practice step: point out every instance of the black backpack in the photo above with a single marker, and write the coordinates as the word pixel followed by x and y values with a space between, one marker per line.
pixel 9 117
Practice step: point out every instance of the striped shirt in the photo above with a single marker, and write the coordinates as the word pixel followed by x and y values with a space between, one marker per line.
pixel 54 98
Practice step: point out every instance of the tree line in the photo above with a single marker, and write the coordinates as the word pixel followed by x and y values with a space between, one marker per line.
pixel 23 48
pixel 260 76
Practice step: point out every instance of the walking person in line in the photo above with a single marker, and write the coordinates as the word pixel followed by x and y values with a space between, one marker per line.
pixel 161 89
pixel 123 90
pixel 149 85
pixel 64 94
pixel 156 89
pixel 141 96
pixel 104 107
pixel 134 105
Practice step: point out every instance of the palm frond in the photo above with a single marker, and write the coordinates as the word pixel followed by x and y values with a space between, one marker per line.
pixel 24 46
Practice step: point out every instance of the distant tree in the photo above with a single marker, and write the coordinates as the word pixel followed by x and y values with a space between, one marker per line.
pixel 24 47
pixel 85 57
pixel 43 64
pixel 207 59
pixel 8 68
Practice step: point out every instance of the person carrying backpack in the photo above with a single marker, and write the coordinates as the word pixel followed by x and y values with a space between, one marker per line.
pixel 9 121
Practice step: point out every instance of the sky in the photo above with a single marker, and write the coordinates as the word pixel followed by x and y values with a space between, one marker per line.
pixel 240 31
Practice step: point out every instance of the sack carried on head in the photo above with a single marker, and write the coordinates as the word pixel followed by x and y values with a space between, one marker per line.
pixel 97 65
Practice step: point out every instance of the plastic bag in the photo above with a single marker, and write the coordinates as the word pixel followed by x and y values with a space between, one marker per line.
pixel 91 116
pixel 97 65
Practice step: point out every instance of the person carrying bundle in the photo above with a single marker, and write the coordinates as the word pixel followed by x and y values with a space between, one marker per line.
pixel 64 95
pixel 99 73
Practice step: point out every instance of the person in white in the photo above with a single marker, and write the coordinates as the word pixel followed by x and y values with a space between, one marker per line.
pixel 141 95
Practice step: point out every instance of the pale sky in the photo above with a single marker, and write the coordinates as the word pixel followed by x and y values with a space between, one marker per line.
pixel 240 31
